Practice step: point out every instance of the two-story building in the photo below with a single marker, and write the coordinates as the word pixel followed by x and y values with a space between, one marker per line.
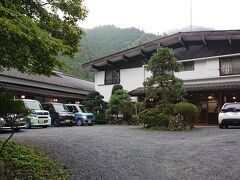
pixel 210 69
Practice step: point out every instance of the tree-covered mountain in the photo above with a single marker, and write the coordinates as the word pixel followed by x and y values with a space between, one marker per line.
pixel 102 41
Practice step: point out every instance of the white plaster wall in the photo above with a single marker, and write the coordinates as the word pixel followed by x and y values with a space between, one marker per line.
pixel 205 71
pixel 202 69
pixel 130 79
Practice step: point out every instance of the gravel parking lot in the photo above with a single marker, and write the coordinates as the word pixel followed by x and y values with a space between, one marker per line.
pixel 128 152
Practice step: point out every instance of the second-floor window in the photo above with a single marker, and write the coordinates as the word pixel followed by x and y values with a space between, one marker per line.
pixel 187 66
pixel 229 66
pixel 112 76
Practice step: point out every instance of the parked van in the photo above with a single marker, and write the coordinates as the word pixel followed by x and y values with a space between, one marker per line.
pixel 38 116
pixel 81 114
pixel 59 114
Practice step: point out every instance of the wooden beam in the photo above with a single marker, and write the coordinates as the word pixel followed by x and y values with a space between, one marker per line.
pixel 204 40
pixel 143 53
pixel 180 40
pixel 110 63
pixel 95 67
pixel 125 58
pixel 230 39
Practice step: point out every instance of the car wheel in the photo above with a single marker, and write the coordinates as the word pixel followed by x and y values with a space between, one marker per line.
pixel 220 126
pixel 45 126
pixel 79 123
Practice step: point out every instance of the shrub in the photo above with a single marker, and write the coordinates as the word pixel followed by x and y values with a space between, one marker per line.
pixel 176 123
pixel 167 108
pixel 154 118
pixel 101 118
pixel 116 87
pixel 187 110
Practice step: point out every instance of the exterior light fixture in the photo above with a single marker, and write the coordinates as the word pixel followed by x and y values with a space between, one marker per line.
pixel 210 97
pixel 55 100
pixel 234 97
pixel 77 102
pixel 22 96
pixel 151 99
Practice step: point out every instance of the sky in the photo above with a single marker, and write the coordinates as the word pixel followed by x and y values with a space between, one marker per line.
pixel 158 16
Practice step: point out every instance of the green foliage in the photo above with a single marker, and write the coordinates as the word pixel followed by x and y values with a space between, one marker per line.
pixel 166 108
pixel 163 86
pixel 102 41
pixel 101 118
pixel 120 102
pixel 139 106
pixel 27 163
pixel 95 103
pixel 11 111
pixel 177 123
pixel 34 33
pixel 187 110
pixel 116 87
pixel 153 117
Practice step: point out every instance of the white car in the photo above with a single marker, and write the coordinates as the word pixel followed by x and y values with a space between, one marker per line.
pixel 229 115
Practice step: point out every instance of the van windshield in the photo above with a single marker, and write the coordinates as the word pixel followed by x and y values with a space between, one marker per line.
pixel 83 109
pixel 33 105
pixel 60 108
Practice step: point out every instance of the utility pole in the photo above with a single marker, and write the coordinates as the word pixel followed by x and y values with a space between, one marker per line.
pixel 190 15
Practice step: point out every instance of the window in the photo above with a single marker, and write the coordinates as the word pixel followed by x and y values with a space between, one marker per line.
pixel 187 66
pixel 229 65
pixel 70 108
pixel 112 76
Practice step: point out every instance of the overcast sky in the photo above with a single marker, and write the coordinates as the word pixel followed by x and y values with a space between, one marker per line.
pixel 158 16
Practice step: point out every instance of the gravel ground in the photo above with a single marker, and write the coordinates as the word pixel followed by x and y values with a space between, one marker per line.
pixel 128 152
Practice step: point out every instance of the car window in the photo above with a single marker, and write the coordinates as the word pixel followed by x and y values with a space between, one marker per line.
pixel 231 107
pixel 33 105
pixel 83 109
pixel 60 107
pixel 70 108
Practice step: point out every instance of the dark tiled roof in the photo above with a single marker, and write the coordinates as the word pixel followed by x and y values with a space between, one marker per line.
pixel 57 78
pixel 39 91
pixel 186 45
pixel 203 87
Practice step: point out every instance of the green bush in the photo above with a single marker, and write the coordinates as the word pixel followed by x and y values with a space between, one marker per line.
pixel 187 110
pixel 116 87
pixel 167 108
pixel 176 123
pixel 101 118
pixel 154 118
pixel 23 162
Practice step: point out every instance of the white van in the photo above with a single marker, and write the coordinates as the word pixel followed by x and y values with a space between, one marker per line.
pixel 38 116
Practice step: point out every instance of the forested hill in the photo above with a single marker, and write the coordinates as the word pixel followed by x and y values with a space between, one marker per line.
pixel 102 41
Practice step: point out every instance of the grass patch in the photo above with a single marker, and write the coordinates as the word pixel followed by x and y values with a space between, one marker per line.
pixel 28 163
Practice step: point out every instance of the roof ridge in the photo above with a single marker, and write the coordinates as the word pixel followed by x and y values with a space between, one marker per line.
pixel 69 75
